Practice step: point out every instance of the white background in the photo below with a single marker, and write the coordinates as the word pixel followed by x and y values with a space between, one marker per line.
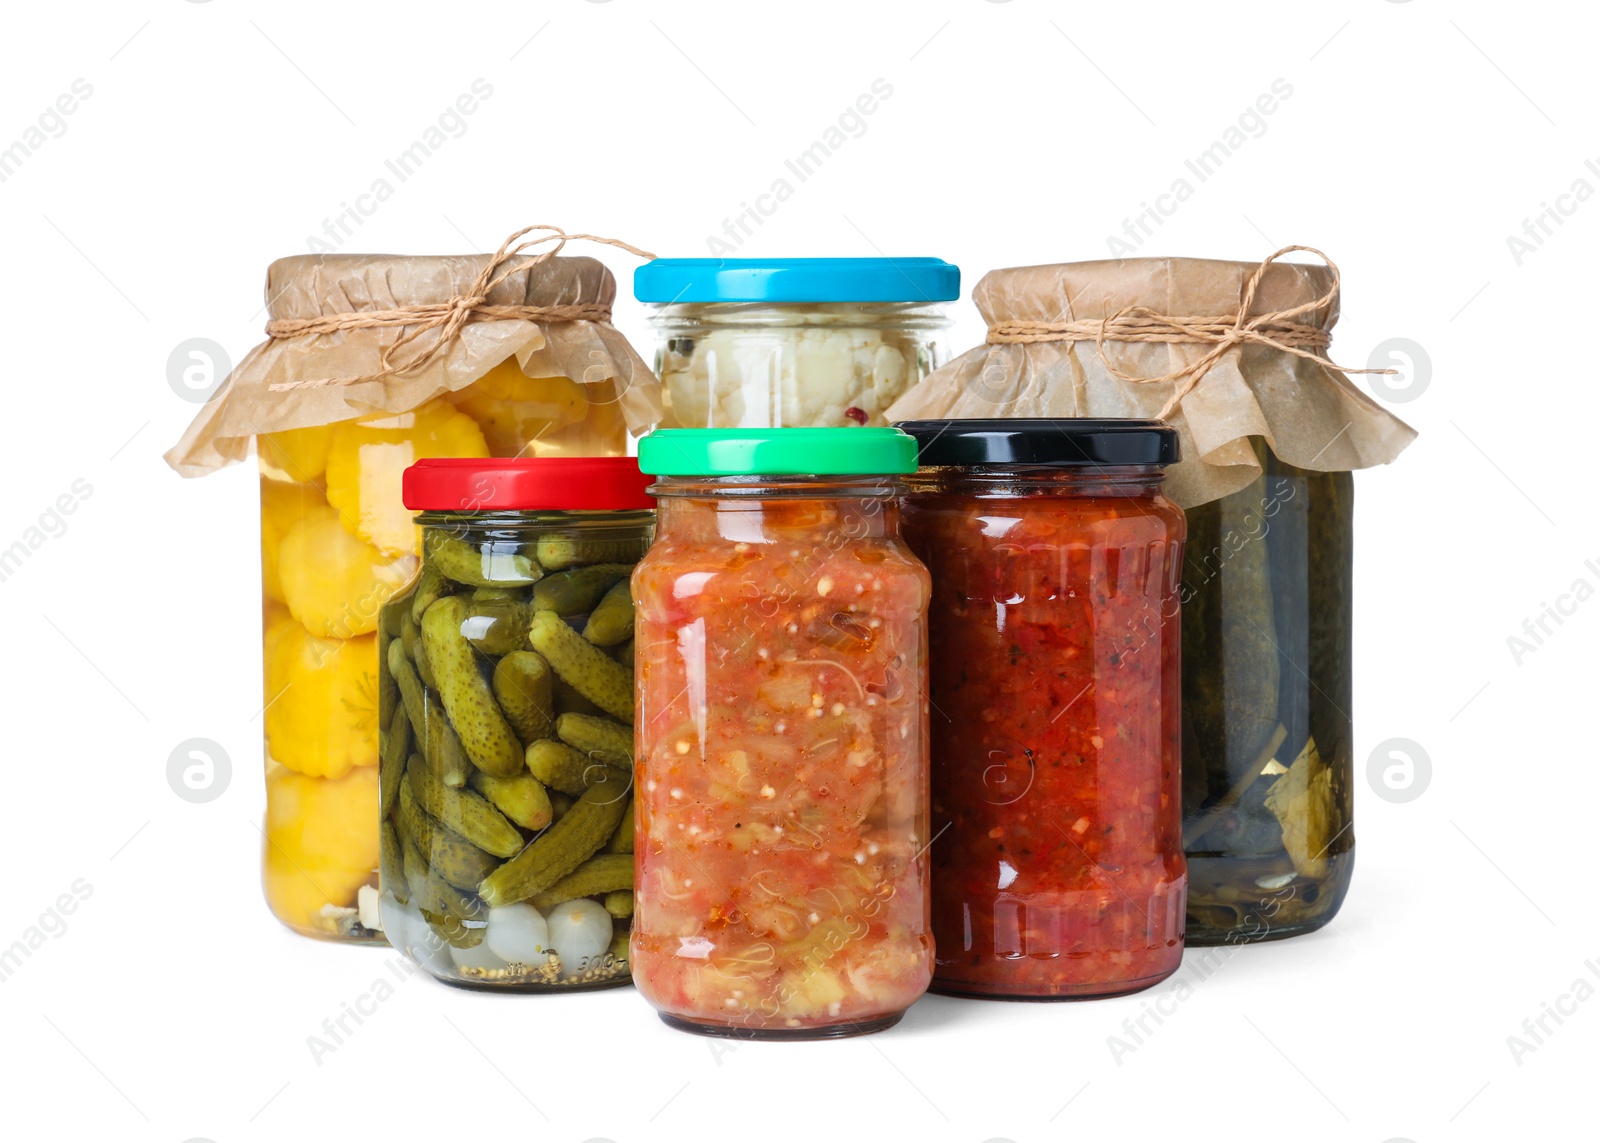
pixel 221 135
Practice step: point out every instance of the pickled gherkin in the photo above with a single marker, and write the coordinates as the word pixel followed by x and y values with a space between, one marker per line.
pixel 523 687
pixel 506 840
pixel 477 718
pixel 577 590
pixel 560 850
pixel 602 739
pixel 1266 706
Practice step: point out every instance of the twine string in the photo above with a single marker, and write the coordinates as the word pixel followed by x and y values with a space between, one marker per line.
pixel 1276 329
pixel 449 318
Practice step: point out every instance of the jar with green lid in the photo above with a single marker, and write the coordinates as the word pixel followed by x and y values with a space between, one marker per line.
pixel 769 342
pixel 782 833
pixel 506 766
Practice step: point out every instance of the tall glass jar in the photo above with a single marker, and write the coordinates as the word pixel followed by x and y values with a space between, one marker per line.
pixel 761 343
pixel 1267 747
pixel 1058 872
pixel 504 799
pixel 782 729
pixel 371 363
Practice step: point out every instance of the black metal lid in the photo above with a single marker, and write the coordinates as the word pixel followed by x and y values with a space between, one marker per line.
pixel 1068 441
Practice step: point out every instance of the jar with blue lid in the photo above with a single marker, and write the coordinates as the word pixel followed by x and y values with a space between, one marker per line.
pixel 793 342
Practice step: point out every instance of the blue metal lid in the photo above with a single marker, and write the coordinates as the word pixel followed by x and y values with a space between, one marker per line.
pixel 666 281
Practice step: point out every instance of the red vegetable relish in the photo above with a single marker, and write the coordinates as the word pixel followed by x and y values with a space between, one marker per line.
pixel 1058 868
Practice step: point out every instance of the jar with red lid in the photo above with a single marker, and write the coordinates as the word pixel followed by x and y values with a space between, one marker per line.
pixel 1058 866
pixel 506 723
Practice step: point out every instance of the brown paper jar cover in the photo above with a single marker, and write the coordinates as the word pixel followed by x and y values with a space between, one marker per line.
pixel 592 353
pixel 1311 415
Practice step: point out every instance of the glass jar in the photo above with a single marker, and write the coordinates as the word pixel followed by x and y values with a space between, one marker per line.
pixel 505 812
pixel 1267 747
pixel 762 343
pixel 1053 636
pixel 782 736
pixel 333 432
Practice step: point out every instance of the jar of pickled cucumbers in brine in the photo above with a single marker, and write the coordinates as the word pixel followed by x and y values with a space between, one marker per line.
pixel 1054 642
pixel 505 786
pixel 767 342
pixel 782 726
pixel 356 382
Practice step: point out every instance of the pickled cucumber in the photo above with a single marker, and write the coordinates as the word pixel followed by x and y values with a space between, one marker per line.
pixel 455 931
pixel 622 840
pixel 419 656
pixel 618 950
pixel 558 850
pixel 394 748
pixel 388 692
pixel 522 799
pixel 517 594
pixel 493 563
pixel 1249 655
pixel 390 619
pixel 603 739
pixel 594 674
pixel 577 590
pixel 452 857
pixel 623 653
pixel 410 632
pixel 427 889
pixel 604 874
pixel 612 620
pixel 464 812
pixel 441 749
pixel 431 584
pixel 522 687
pixel 391 862
pixel 619 903
pixel 484 732
pixel 496 626
pixel 557 552
pixel 568 701
pixel 560 767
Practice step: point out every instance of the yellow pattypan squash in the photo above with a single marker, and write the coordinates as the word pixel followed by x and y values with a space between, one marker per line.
pixel 322 842
pixel 283 505
pixel 367 457
pixel 514 409
pixel 333 583
pixel 321 700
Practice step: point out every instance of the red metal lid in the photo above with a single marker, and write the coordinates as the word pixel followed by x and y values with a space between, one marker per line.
pixel 587 483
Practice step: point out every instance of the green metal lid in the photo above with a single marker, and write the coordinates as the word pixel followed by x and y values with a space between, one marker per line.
pixel 778 452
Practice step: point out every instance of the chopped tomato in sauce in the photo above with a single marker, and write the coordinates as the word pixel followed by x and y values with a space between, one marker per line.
pixel 781 803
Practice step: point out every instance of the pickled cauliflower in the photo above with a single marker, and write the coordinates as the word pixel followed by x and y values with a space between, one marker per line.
pixel 825 375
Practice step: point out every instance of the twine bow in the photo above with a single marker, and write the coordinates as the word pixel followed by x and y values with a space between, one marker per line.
pixel 449 318
pixel 1276 329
